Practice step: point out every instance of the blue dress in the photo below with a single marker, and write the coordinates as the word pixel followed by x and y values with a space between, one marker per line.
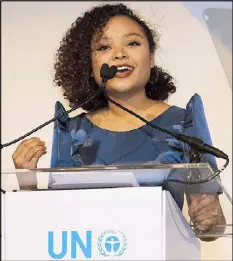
pixel 78 142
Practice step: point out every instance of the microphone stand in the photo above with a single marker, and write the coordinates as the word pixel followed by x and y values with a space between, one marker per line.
pixel 194 174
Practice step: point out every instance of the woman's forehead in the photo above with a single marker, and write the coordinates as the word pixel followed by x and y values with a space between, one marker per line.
pixel 119 26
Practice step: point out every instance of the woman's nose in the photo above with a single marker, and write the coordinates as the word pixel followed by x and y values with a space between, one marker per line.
pixel 120 54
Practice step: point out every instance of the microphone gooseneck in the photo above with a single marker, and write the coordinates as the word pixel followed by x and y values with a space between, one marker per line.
pixel 49 121
pixel 194 143
pixel 106 74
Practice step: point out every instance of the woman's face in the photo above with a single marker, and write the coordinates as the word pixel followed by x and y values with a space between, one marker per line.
pixel 125 45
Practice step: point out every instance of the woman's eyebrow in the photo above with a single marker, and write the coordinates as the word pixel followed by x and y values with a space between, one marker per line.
pixel 133 34
pixel 124 35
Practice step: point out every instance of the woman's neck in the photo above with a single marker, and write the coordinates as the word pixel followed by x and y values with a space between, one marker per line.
pixel 115 119
pixel 138 103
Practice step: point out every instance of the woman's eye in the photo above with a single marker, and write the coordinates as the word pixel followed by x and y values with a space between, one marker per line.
pixel 133 43
pixel 102 48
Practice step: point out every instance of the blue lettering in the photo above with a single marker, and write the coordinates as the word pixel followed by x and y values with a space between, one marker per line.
pixel 51 245
pixel 75 238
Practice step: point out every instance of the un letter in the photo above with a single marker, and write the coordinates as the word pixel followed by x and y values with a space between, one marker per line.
pixel 51 245
pixel 75 238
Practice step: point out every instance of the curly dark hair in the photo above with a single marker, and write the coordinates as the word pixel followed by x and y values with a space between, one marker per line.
pixel 73 66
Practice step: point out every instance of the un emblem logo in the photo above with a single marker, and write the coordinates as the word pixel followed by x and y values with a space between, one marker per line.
pixel 111 243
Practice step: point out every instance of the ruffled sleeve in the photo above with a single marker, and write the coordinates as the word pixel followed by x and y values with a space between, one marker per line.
pixel 62 141
pixel 195 125
pixel 72 145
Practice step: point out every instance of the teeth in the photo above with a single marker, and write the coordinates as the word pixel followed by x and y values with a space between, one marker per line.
pixel 124 68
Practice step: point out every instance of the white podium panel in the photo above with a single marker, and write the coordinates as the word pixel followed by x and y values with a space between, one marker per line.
pixel 178 238
pixel 142 223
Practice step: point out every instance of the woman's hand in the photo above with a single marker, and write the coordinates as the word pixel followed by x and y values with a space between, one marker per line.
pixel 205 212
pixel 28 153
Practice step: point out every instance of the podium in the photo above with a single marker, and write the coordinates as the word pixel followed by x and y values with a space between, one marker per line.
pixel 98 213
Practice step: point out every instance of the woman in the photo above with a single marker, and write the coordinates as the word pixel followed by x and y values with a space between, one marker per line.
pixel 107 135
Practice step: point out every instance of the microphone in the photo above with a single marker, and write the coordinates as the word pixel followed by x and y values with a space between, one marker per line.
pixel 193 142
pixel 106 74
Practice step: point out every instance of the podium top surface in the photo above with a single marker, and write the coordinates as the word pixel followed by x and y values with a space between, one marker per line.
pixel 196 178
pixel 193 176
pixel 115 167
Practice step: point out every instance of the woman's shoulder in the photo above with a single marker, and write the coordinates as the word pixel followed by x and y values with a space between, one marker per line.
pixel 194 112
pixel 191 117
pixel 64 121
pixel 194 107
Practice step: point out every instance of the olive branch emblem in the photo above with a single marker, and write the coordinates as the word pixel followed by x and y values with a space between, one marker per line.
pixel 100 240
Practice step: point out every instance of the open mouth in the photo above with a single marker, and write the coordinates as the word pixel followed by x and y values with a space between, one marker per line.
pixel 124 71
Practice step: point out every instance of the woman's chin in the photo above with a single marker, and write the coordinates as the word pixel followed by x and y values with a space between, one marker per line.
pixel 119 89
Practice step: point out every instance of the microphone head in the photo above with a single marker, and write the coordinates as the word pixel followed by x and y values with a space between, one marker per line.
pixel 106 72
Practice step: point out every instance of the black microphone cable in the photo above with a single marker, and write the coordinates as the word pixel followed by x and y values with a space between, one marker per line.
pixel 193 142
pixel 106 74
pixel 48 122
pixel 177 135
